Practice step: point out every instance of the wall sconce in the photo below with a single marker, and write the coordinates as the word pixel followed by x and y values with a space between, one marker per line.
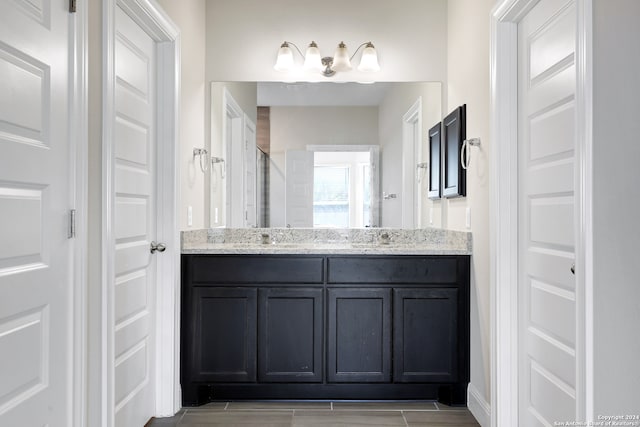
pixel 328 66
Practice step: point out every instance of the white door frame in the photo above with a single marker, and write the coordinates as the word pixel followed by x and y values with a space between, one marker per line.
pixel 161 29
pixel 249 126
pixel 504 210
pixel 79 149
pixel 411 153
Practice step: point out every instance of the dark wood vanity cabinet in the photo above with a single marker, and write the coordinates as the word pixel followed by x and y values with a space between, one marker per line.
pixel 324 327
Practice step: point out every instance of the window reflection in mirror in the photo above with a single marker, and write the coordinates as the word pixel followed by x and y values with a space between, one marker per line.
pixel 341 189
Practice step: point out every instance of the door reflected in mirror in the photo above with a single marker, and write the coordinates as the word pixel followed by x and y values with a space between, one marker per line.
pixel 319 154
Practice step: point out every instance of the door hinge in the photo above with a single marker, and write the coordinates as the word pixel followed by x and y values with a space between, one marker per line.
pixel 72 224
pixel 72 6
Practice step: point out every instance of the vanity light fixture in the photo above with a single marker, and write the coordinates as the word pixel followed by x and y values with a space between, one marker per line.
pixel 328 66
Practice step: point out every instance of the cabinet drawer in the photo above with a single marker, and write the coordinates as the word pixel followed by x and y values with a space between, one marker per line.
pixel 251 269
pixel 392 269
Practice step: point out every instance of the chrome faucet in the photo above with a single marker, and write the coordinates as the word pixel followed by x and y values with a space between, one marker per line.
pixel 385 239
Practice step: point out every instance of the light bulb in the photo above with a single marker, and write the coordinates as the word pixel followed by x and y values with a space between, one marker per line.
pixel 341 60
pixel 285 58
pixel 369 60
pixel 312 58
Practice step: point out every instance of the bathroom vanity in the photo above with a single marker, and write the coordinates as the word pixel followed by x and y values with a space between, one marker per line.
pixel 344 319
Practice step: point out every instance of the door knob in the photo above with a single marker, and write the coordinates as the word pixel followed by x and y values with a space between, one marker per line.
pixel 159 247
pixel 573 268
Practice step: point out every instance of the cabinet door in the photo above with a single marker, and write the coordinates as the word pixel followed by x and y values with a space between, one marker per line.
pixel 359 330
pixel 224 343
pixel 425 332
pixel 290 335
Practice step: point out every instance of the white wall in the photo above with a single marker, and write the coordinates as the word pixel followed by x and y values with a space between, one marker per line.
pixel 391 111
pixel 417 40
pixel 293 128
pixel 468 83
pixel 243 36
pixel 189 16
pixel 616 176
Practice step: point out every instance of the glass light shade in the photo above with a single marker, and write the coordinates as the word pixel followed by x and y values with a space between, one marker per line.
pixel 369 60
pixel 341 61
pixel 285 58
pixel 312 58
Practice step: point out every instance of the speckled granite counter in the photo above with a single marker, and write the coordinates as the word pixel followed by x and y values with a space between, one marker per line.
pixel 370 241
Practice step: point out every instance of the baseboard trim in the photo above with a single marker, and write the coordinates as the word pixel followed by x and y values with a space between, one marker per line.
pixel 478 406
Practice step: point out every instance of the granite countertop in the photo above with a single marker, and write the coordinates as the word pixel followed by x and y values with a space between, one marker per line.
pixel 374 241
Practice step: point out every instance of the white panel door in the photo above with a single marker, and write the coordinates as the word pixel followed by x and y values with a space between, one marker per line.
pixel 411 152
pixel 134 223
pixel 546 134
pixel 299 188
pixel 35 253
pixel 234 153
pixel 250 177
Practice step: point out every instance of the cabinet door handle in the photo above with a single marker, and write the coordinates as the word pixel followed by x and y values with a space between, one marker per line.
pixel 573 268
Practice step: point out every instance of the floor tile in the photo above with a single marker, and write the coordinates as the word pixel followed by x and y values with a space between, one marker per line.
pixel 448 418
pixel 314 414
pixel 443 425
pixel 443 407
pixel 231 418
pixel 156 423
pixel 234 424
pixel 386 406
pixel 168 421
pixel 161 422
pixel 348 418
pixel 213 406
pixel 247 406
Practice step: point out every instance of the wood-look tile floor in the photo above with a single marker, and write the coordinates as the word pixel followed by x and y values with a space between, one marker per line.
pixel 302 414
